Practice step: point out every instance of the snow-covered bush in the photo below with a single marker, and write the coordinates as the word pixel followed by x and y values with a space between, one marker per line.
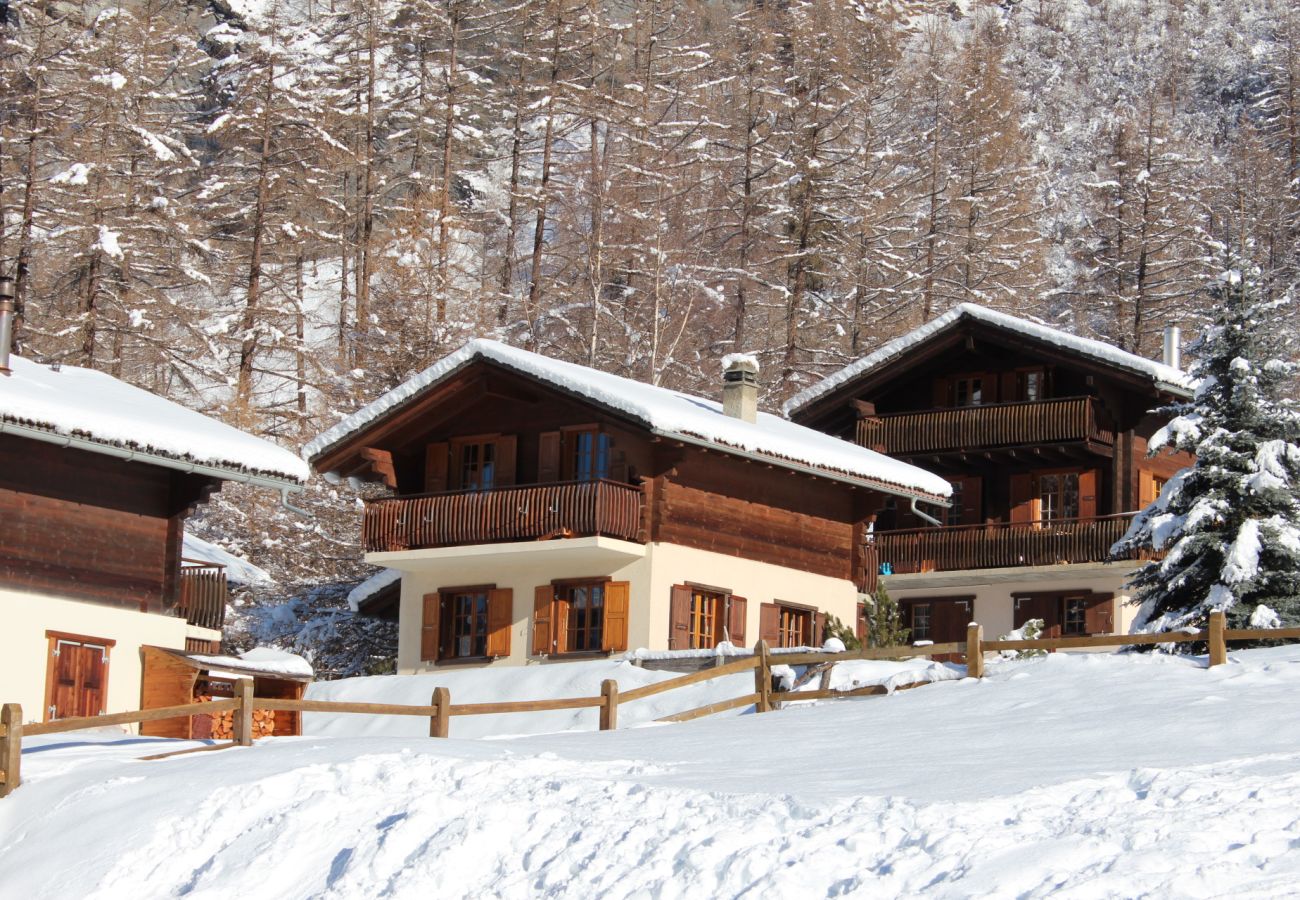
pixel 1030 631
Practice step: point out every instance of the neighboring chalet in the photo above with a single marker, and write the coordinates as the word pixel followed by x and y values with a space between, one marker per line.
pixel 96 479
pixel 1043 437
pixel 544 510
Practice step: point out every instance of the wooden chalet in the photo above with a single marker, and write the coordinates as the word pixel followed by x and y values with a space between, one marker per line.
pixel 1043 437
pixel 96 479
pixel 538 509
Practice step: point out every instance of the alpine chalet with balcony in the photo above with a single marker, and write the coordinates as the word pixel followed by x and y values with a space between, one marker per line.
pixel 539 509
pixel 1042 436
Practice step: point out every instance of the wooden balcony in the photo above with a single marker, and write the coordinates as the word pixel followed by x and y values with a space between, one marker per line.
pixel 203 594
pixel 1071 419
pixel 532 512
pixel 998 545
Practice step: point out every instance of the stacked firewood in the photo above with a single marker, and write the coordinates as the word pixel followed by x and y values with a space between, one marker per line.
pixel 223 723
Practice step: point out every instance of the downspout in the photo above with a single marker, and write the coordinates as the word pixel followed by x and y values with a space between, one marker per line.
pixel 920 515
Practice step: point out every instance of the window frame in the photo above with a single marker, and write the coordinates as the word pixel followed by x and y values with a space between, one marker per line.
pixel 448 648
pixel 562 596
pixel 1039 497
pixel 929 619
pixel 974 384
pixel 708 605
pixel 599 457
pixel 485 444
pixel 795 618
pixel 1074 627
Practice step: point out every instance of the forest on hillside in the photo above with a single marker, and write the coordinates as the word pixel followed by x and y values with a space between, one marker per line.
pixel 273 210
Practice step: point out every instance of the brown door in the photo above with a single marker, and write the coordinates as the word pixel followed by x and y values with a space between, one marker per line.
pixel 78 679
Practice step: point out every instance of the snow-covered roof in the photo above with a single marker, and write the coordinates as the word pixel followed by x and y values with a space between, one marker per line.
pixel 237 569
pixel 266 660
pixel 1162 376
pixel 666 413
pixel 371 586
pixel 102 412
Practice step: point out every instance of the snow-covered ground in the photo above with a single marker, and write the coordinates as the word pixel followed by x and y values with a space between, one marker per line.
pixel 1083 776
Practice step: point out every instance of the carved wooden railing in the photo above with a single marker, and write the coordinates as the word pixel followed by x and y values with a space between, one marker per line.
pixel 578 509
pixel 998 545
pixel 996 425
pixel 203 594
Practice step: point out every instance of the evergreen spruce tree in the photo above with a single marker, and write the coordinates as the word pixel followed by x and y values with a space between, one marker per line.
pixel 1229 525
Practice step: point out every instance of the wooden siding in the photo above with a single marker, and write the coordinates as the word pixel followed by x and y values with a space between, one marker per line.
pixel 573 509
pixel 204 592
pixel 995 425
pixel 999 545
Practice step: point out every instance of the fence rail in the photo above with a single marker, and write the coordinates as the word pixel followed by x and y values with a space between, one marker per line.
pixel 578 508
pixel 440 709
pixel 991 425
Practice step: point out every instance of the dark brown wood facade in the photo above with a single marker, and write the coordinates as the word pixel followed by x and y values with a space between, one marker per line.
pixel 91 527
pixel 562 467
pixel 1045 449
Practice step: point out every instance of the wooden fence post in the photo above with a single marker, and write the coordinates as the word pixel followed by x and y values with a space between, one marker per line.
pixel 1218 646
pixel 439 721
pixel 11 747
pixel 762 678
pixel 609 708
pixel 243 724
pixel 975 650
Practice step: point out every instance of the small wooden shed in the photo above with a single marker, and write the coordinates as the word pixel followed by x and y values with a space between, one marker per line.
pixel 172 678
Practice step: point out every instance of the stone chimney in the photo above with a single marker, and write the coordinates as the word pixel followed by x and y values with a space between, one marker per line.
pixel 740 386
pixel 1173 355
pixel 6 322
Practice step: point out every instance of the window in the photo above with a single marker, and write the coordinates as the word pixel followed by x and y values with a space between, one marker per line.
pixel 476 465
pixel 582 608
pixel 705 618
pixel 1029 385
pixel 796 627
pixel 968 391
pixel 588 455
pixel 465 624
pixel 953 515
pixel 1076 616
pixel 1058 496
pixel 1158 485
pixel 920 622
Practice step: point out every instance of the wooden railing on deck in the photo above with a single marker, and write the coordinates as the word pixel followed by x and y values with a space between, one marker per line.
pixel 203 594
pixel 994 425
pixel 577 508
pixel 1044 543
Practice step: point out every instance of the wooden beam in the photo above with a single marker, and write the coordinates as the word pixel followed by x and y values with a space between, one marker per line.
pixel 381 462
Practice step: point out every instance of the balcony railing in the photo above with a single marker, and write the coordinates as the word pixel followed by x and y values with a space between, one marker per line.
pixel 569 509
pixel 997 425
pixel 203 594
pixel 955 548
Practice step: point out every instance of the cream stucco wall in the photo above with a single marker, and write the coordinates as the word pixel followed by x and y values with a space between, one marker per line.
pixel 992 588
pixel 651 571
pixel 24 647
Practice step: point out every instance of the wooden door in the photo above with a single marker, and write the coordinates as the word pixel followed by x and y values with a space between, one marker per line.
pixel 78 681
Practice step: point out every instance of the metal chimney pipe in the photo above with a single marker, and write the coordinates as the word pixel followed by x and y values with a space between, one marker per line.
pixel 1173 346
pixel 6 323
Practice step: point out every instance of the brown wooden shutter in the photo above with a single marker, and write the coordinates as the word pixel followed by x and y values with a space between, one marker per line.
pixel 1008 384
pixel 1146 488
pixel 736 610
pixel 679 618
pixel 614 634
pixel 500 619
pixel 1022 498
pixel 862 629
pixel 769 623
pixel 971 496
pixel 435 467
pixel 1099 617
pixel 548 457
pixel 819 629
pixel 989 384
pixel 503 474
pixel 1047 608
pixel 941 395
pixel 429 630
pixel 1088 494
pixel 543 601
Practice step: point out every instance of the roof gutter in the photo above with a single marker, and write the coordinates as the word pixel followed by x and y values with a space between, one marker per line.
pixel 167 462
pixel 809 470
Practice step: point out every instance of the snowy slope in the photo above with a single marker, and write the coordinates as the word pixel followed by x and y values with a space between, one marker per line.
pixel 93 405
pixel 1162 376
pixel 665 412
pixel 1076 776
pixel 237 569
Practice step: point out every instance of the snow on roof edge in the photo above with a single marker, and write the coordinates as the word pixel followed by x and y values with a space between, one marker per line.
pixel 664 412
pixel 371 586
pixel 1162 376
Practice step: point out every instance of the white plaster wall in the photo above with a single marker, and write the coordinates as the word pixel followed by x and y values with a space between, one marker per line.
pixel 650 578
pixel 24 646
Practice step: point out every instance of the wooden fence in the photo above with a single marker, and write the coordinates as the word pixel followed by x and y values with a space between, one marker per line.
pixel 763 698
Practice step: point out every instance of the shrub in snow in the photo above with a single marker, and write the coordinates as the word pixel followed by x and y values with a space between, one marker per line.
pixel 885 621
pixel 839 633
pixel 1229 525
pixel 1030 631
